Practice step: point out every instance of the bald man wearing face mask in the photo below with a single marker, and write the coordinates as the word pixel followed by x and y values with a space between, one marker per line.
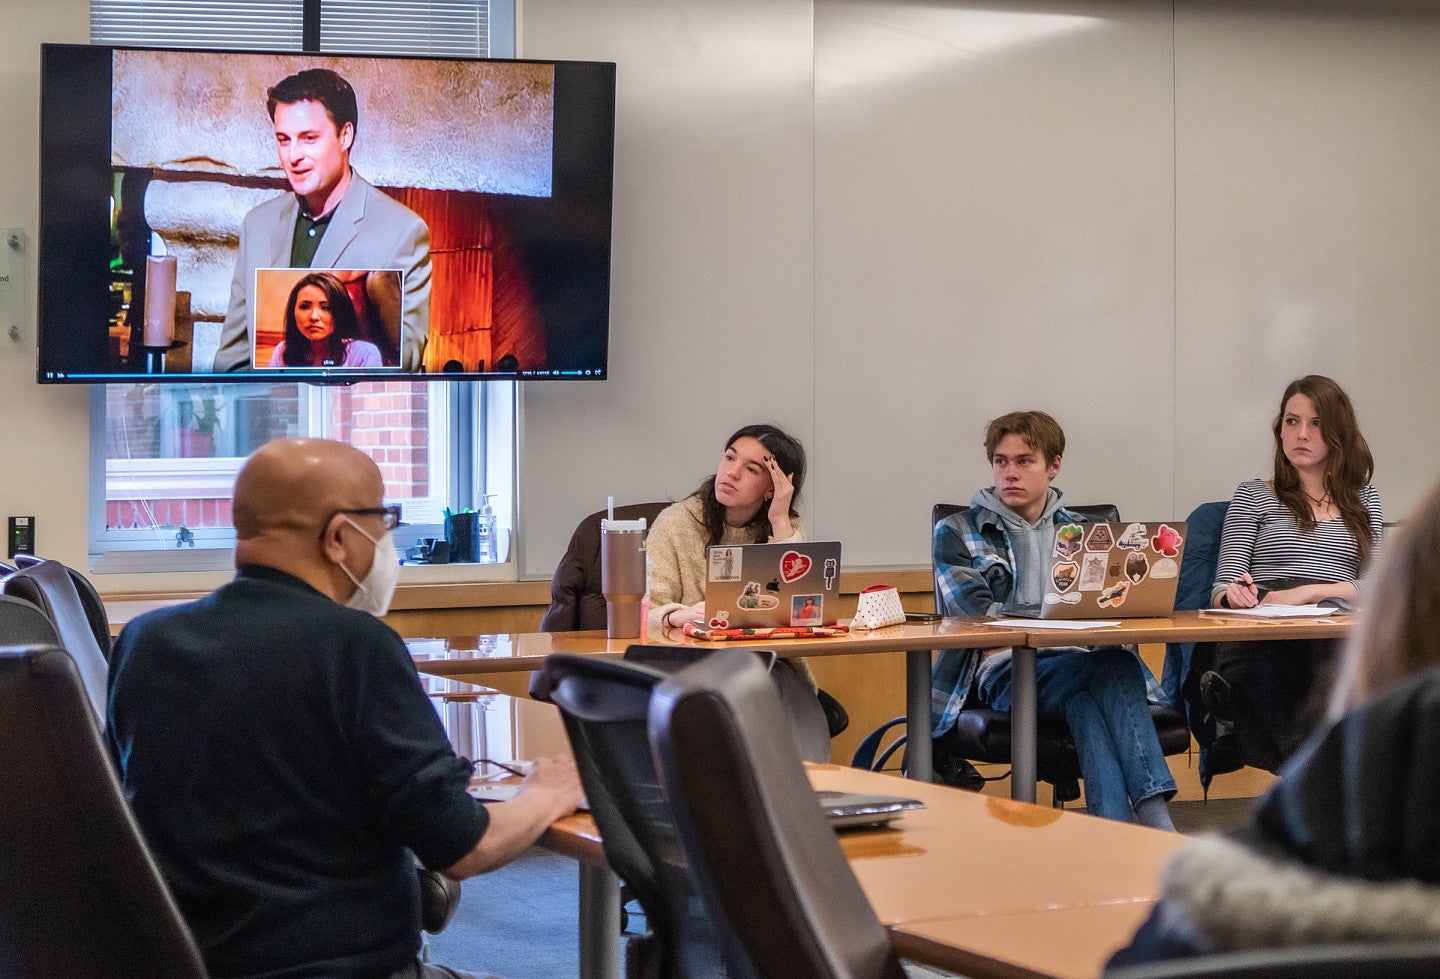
pixel 277 749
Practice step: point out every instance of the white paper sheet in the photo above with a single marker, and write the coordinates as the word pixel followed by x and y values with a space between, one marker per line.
pixel 1277 611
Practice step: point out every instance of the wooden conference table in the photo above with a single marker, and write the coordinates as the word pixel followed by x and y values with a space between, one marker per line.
pixel 975 884
pixel 473 658
pixel 993 898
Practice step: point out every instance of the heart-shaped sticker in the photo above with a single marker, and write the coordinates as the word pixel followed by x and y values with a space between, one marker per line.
pixel 794 566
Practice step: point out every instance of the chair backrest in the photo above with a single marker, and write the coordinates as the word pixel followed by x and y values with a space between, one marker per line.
pixel 80 894
pixel 799 704
pixel 1358 960
pixel 22 623
pixel 1095 512
pixel 766 861
pixel 74 608
pixel 90 599
pixel 575 598
pixel 604 705
pixel 1202 554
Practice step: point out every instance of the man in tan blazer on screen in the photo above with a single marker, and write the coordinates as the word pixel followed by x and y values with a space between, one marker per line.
pixel 333 218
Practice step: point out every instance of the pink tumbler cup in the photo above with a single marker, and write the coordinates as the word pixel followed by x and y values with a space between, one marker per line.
pixel 622 575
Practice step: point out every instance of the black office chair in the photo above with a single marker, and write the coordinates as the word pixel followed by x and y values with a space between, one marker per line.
pixel 1219 752
pixel 74 608
pixel 22 624
pixel 1357 960
pixel 1197 576
pixel 982 735
pixel 90 600
pixel 804 715
pixel 783 898
pixel 604 705
pixel 80 894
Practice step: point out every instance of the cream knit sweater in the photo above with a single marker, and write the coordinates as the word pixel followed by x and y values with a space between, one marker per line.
pixel 675 562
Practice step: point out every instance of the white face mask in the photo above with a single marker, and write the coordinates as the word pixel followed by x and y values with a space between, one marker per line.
pixel 374 593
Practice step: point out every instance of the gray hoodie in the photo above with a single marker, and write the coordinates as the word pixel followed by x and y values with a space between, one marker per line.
pixel 1030 545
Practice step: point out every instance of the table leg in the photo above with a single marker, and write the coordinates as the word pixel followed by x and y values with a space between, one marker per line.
pixel 599 922
pixel 918 746
pixel 1022 724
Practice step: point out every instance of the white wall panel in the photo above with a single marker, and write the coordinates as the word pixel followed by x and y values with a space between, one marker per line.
pixel 993 232
pixel 712 310
pixel 1308 232
pixel 1141 217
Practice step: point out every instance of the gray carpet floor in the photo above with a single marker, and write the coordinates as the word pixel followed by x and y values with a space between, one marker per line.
pixel 518 922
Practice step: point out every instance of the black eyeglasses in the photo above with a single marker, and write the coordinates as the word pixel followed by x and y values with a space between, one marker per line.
pixel 390 515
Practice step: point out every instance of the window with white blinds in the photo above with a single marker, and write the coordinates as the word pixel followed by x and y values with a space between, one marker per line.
pixel 448 27
pixel 253 25
pixel 416 27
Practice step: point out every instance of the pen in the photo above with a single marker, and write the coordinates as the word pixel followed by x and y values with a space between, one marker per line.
pixel 501 765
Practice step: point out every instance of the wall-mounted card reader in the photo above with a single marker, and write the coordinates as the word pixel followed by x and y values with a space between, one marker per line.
pixel 22 536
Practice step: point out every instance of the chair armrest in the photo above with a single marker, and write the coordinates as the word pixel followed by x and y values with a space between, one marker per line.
pixel 439 896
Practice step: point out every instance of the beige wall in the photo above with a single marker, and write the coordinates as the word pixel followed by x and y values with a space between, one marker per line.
pixel 44 431
pixel 881 222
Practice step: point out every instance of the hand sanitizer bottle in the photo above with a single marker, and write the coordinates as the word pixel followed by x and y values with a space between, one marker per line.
pixel 485 533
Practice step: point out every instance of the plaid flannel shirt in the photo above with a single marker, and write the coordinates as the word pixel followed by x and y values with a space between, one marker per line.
pixel 974 574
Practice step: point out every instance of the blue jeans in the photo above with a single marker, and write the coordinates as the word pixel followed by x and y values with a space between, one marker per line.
pixel 1100 694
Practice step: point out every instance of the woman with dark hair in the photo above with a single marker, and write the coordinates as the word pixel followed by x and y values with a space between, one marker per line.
pixel 321 328
pixel 1302 538
pixel 749 500
pixel 1342 848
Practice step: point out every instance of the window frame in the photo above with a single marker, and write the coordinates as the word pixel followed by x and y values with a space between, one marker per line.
pixel 479 457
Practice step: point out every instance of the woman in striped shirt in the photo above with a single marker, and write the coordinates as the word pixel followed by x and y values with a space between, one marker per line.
pixel 1299 539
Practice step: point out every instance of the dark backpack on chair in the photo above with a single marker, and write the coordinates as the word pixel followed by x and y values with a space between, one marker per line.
pixel 948 767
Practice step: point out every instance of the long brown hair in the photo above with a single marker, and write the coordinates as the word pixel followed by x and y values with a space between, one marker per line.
pixel 1398 634
pixel 1348 462
pixel 344 324
pixel 789 456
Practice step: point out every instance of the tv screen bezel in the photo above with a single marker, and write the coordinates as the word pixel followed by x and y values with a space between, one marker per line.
pixel 584 97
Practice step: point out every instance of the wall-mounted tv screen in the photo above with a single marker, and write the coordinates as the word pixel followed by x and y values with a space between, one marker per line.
pixel 221 215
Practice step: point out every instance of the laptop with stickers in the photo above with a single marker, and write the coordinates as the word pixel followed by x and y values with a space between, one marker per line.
pixel 1124 570
pixel 772 585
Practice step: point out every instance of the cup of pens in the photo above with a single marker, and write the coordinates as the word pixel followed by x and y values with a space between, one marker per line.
pixel 462 536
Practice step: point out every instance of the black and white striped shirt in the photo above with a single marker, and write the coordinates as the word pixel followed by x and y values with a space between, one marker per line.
pixel 1262 537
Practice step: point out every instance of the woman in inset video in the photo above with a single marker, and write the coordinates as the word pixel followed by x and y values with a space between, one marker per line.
pixel 321 328
pixel 1301 538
